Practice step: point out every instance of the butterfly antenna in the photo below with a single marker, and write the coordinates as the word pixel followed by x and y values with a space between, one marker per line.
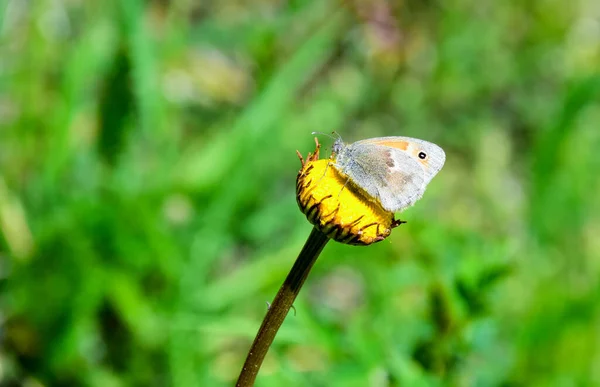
pixel 337 143
pixel 329 135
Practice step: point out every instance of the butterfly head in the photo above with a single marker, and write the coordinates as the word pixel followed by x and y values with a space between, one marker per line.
pixel 338 146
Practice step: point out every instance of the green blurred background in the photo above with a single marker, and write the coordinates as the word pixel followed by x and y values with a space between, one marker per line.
pixel 147 205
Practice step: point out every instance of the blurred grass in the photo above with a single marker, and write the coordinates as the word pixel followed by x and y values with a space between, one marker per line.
pixel 147 212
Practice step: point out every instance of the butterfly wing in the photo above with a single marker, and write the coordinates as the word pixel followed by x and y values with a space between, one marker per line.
pixel 390 176
pixel 434 155
pixel 390 170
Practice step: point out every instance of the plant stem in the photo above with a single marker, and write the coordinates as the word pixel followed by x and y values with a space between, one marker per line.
pixel 281 306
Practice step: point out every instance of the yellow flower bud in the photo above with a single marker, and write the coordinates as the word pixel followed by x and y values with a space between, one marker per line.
pixel 338 208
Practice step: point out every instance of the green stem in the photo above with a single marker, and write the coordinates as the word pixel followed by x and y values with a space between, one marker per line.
pixel 281 306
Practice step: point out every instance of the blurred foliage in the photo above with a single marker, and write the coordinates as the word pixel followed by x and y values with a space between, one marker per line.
pixel 147 210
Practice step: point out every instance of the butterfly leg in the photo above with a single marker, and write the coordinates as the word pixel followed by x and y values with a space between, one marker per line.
pixel 344 186
pixel 324 172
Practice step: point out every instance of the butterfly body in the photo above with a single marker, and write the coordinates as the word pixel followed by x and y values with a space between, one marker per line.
pixel 394 171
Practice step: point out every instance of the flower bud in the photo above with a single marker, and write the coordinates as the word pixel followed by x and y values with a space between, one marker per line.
pixel 336 207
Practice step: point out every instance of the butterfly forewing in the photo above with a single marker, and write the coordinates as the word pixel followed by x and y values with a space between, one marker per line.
pixel 387 174
pixel 392 170
pixel 434 155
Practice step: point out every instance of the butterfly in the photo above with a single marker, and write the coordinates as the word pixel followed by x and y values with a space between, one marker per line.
pixel 393 171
